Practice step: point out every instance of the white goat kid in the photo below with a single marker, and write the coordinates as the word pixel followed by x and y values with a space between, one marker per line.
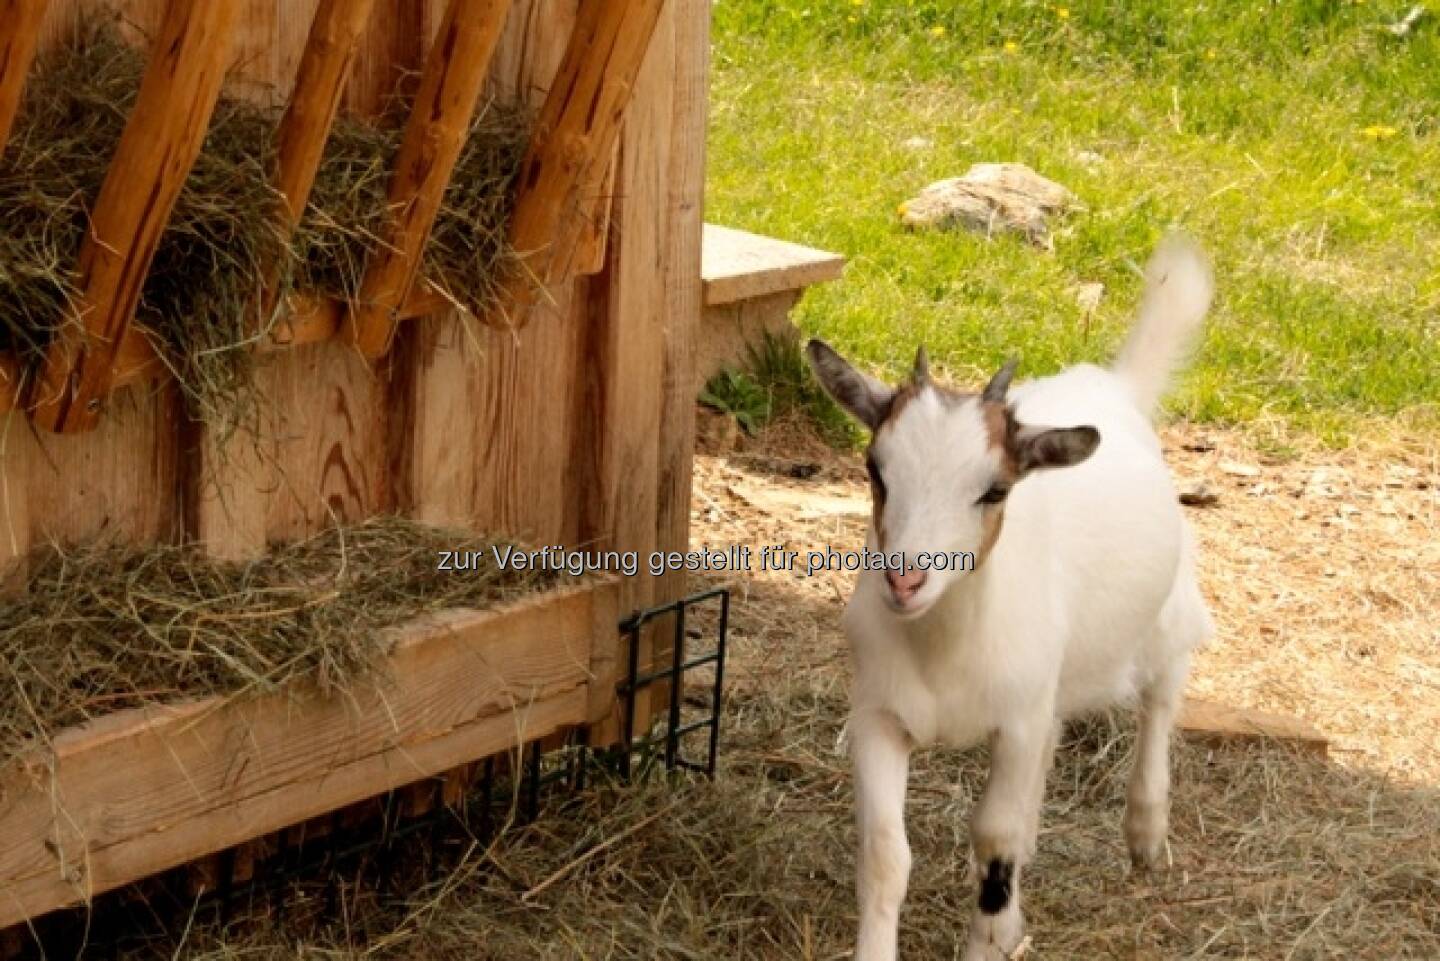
pixel 1082 594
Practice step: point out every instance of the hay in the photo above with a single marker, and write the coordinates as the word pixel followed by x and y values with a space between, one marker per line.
pixel 221 245
pixel 105 628
pixel 1276 856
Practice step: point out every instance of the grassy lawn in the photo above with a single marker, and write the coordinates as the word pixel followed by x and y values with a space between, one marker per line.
pixel 1298 140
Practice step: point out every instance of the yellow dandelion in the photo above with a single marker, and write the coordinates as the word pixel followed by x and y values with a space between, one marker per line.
pixel 1211 54
pixel 937 31
pixel 1063 13
pixel 1379 131
pixel 1011 46
pixel 903 209
pixel 857 3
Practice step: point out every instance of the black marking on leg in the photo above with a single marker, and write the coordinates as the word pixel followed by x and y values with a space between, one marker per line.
pixel 995 886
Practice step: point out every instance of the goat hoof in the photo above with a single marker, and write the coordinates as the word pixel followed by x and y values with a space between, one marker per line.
pixel 995 937
pixel 1149 855
pixel 1145 831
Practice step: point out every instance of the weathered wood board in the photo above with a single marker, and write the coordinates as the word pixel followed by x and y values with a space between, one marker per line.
pixel 147 790
pixel 1202 720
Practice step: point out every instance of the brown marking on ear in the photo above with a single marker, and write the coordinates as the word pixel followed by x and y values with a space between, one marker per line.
pixel 903 396
pixel 1001 426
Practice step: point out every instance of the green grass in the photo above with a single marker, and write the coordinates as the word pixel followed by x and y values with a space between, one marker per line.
pixel 1246 123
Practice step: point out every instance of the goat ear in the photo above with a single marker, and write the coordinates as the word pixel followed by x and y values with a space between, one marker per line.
pixel 1042 447
pixel 866 399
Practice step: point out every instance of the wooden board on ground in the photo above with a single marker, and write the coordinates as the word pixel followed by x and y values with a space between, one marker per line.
pixel 1208 721
pixel 146 790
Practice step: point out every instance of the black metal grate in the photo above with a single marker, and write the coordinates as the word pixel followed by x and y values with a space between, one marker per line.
pixel 327 856
pixel 635 681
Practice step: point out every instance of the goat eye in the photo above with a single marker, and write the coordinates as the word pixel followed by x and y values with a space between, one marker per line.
pixel 994 495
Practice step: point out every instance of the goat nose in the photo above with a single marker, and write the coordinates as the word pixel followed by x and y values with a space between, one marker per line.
pixel 904 583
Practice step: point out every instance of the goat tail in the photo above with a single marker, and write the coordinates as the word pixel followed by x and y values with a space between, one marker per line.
pixel 1178 290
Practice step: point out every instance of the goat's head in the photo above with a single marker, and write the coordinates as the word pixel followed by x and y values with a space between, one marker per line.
pixel 941 465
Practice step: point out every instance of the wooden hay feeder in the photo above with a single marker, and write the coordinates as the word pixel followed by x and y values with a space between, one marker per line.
pixel 564 418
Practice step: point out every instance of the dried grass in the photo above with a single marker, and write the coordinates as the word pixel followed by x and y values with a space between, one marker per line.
pixel 222 245
pixel 1276 856
pixel 104 628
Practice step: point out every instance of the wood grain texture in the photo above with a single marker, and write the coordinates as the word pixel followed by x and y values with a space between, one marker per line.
pixel 120 481
pixel 161 139
pixel 686 202
pixel 20 22
pixel 330 461
pixel 565 167
pixel 435 133
pixel 629 303
pixel 389 58
pixel 435 399
pixel 233 477
pixel 738 265
pixel 1202 720
pixel 523 425
pixel 330 51
pixel 141 792
pixel 16 453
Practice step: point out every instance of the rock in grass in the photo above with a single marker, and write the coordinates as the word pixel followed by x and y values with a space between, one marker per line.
pixel 992 198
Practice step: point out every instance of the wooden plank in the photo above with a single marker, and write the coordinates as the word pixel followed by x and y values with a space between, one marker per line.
pixel 16 453
pixel 565 165
pixel 603 708
pixel 330 459
pixel 121 480
pixel 683 289
pixel 432 465
pixel 523 483
pixel 739 265
pixel 1224 724
pixel 155 153
pixel 325 66
pixel 627 340
pixel 233 476
pixel 20 22
pixel 434 136
pixel 390 54
pixel 590 248
pixel 139 793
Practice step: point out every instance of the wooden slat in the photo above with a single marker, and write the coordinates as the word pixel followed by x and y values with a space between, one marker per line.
pixel 450 88
pixel 565 166
pixel 155 153
pixel 330 52
pixel 1209 721
pixel 233 473
pixel 119 481
pixel 627 337
pixel 17 450
pixel 590 249
pixel 19 36
pixel 738 265
pixel 142 792
pixel 685 203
